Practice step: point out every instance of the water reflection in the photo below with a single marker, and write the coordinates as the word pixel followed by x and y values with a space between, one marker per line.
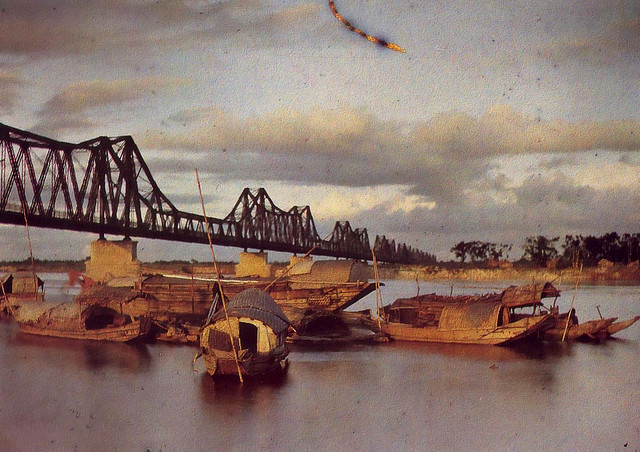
pixel 490 353
pixel 97 355
pixel 130 357
pixel 228 389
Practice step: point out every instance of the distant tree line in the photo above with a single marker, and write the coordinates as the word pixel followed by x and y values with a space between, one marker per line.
pixel 611 246
pixel 539 250
pixel 478 251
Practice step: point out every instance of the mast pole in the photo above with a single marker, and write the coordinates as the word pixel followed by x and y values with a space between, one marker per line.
pixel 566 326
pixel 219 276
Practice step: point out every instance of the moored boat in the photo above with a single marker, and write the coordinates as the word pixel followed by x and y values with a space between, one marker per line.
pixel 179 303
pixel 449 320
pixel 75 321
pixel 493 318
pixel 166 295
pixel 18 288
pixel 250 338
pixel 568 327
pixel 619 326
pixel 592 329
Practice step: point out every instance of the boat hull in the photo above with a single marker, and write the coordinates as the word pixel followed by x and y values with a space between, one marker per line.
pixel 505 334
pixel 619 326
pixel 222 363
pixel 179 301
pixel 190 295
pixel 123 333
pixel 592 329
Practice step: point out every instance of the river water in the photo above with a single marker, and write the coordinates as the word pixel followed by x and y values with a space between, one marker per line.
pixel 66 395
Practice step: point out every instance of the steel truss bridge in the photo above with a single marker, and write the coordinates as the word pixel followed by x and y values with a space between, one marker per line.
pixel 104 186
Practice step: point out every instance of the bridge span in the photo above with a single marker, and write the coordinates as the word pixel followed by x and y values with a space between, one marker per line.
pixel 104 186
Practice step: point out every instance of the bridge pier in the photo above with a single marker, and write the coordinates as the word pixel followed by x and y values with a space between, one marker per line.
pixel 253 264
pixel 112 259
pixel 294 260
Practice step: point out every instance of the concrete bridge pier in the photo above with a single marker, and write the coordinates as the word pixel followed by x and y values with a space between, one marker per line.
pixel 253 264
pixel 295 260
pixel 112 259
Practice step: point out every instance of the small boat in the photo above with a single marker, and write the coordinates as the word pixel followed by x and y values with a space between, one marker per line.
pixel 443 319
pixel 75 321
pixel 258 328
pixel 575 331
pixel 18 288
pixel 619 326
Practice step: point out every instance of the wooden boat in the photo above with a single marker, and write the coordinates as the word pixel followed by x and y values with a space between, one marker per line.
pixel 74 321
pixel 258 328
pixel 175 294
pixel 461 320
pixel 178 304
pixel 593 329
pixel 619 326
pixel 19 287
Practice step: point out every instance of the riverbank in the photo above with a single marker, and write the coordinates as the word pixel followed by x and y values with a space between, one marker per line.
pixel 606 273
pixel 602 274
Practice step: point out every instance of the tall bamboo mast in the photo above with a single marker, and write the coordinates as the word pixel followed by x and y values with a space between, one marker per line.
pixel 33 265
pixel 378 294
pixel 219 276
pixel 566 326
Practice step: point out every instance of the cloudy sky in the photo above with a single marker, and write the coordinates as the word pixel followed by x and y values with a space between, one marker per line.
pixel 501 120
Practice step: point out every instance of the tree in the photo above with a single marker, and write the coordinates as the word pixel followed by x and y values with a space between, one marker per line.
pixel 499 251
pixel 593 252
pixel 480 251
pixel 573 252
pixel 612 248
pixel 631 247
pixel 539 249
pixel 461 249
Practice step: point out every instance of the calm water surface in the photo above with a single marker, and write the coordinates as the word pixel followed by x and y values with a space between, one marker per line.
pixel 65 395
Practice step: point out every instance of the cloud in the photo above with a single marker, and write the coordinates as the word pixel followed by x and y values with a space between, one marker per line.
pixel 9 83
pixel 54 126
pixel 52 27
pixel 551 205
pixel 442 159
pixel 502 130
pixel 70 108
pixel 63 27
pixel 81 96
pixel 620 40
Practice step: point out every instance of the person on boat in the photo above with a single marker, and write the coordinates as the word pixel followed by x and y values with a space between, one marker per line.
pixel 573 316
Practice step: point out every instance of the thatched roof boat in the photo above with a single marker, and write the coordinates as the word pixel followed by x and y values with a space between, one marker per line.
pixel 20 287
pixel 485 319
pixel 463 323
pixel 75 321
pixel 258 328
